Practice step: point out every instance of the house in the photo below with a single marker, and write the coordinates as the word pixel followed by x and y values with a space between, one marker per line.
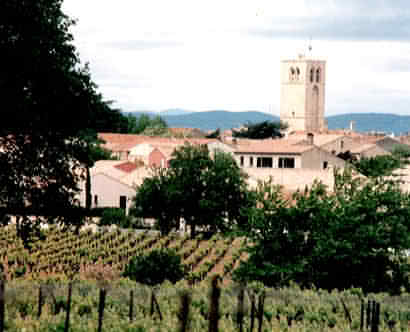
pixel 152 150
pixel 289 163
pixel 113 183
pixel 284 153
pixel 368 150
pixel 334 143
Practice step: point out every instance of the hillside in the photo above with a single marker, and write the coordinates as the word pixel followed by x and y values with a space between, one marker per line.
pixel 211 120
pixel 365 122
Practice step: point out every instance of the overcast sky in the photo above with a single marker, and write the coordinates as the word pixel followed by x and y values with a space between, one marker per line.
pixel 223 54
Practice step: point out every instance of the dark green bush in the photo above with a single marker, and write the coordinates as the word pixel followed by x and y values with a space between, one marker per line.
pixel 154 268
pixel 114 216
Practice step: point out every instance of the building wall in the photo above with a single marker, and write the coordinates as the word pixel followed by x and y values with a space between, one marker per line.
pixel 302 96
pixel 157 159
pixel 108 192
pixel 275 159
pixel 341 144
pixel 389 144
pixel 291 179
pixel 372 152
pixel 320 159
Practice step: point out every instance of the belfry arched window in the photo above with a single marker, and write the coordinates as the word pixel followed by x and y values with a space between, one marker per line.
pixel 312 74
pixel 297 72
pixel 318 75
pixel 291 73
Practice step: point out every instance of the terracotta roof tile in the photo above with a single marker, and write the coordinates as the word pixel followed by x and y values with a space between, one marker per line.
pixel 126 167
pixel 271 146
pixel 125 142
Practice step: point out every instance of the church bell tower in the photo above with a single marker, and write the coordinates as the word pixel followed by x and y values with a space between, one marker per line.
pixel 302 95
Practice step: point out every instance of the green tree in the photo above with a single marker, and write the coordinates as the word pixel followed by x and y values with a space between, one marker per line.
pixel 261 130
pixel 377 166
pixel 144 124
pixel 48 98
pixel 381 165
pixel 156 197
pixel 356 236
pixel 214 134
pixel 206 192
pixel 155 267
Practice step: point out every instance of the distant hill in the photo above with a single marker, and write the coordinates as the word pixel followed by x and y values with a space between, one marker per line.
pixel 211 120
pixel 366 122
pixel 174 111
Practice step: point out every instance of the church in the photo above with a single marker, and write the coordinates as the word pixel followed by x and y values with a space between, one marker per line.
pixel 302 94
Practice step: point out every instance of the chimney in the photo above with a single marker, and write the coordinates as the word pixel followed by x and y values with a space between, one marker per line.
pixel 309 138
pixel 351 126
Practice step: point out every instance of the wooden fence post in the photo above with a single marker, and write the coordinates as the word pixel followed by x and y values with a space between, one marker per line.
pixel 101 306
pixel 131 314
pixel 183 314
pixel 241 310
pixel 261 304
pixel 2 302
pixel 253 309
pixel 214 305
pixel 361 315
pixel 40 301
pixel 67 319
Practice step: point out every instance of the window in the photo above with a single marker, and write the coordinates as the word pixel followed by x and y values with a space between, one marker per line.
pixel 342 144
pixel 286 162
pixel 241 161
pixel 312 71
pixel 95 200
pixel 325 165
pixel 318 75
pixel 291 74
pixel 264 162
pixel 297 72
pixel 123 202
pixel 251 161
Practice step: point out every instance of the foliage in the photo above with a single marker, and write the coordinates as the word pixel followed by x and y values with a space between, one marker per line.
pixel 192 188
pixel 156 198
pixel 381 165
pixel 155 267
pixel 114 216
pixel 376 166
pixel 214 134
pixel 261 130
pixel 48 99
pixel 146 125
pixel 347 156
pixel 286 309
pixel 354 237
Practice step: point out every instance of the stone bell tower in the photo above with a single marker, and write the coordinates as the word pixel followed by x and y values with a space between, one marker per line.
pixel 302 94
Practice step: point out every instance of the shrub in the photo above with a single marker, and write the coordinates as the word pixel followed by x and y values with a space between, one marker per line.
pixel 156 267
pixel 114 216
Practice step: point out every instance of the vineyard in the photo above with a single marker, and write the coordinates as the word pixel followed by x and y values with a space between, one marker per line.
pixel 131 307
pixel 72 282
pixel 66 253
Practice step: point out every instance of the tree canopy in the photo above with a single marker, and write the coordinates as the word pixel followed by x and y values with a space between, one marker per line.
pixel 208 192
pixel 144 124
pixel 356 236
pixel 48 99
pixel 261 130
pixel 381 165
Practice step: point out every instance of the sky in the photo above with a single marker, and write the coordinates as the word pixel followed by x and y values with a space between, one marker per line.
pixel 154 55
